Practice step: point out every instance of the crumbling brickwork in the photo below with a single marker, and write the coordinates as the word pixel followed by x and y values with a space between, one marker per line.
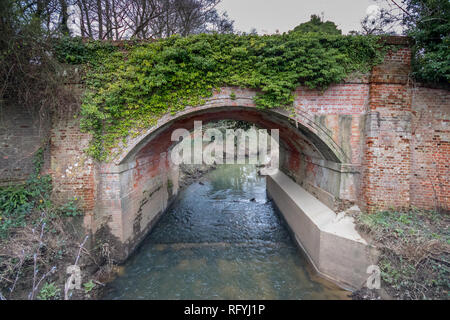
pixel 73 172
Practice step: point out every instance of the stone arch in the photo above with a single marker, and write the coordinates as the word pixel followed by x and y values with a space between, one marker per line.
pixel 139 184
pixel 242 100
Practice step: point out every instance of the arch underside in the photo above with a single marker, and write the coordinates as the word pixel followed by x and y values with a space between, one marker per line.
pixel 294 135
pixel 303 155
pixel 143 182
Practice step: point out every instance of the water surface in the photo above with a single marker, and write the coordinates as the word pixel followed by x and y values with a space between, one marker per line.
pixel 221 239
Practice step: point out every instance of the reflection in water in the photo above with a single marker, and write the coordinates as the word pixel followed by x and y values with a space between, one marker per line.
pixel 221 240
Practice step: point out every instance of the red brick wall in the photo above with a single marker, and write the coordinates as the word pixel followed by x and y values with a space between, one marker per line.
pixel 387 154
pixel 73 172
pixel 22 132
pixel 406 148
pixel 386 165
pixel 430 145
pixel 330 109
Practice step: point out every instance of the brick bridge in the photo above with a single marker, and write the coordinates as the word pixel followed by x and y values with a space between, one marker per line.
pixel 376 140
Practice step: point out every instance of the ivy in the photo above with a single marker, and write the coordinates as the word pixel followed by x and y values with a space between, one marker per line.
pixel 76 51
pixel 127 90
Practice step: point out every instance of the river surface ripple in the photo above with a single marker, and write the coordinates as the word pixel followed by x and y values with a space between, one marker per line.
pixel 221 239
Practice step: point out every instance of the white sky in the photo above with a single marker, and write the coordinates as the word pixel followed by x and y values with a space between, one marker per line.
pixel 269 15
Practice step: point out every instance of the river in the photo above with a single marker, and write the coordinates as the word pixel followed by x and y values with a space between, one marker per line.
pixel 221 239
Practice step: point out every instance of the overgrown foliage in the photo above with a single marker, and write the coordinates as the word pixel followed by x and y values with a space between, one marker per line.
pixel 49 291
pixel 315 24
pixel 128 90
pixel 33 236
pixel 415 247
pixel 17 202
pixel 74 51
pixel 427 22
pixel 29 74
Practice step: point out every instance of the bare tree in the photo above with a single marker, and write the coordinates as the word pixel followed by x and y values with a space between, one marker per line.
pixel 64 16
pixel 386 20
pixel 140 15
pixel 144 19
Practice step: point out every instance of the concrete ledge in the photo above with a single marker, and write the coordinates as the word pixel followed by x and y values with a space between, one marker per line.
pixel 325 197
pixel 330 241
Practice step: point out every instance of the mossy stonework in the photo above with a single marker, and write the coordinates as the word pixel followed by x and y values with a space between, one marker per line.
pixel 353 128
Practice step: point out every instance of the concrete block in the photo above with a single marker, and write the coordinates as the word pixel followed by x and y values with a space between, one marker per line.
pixel 331 242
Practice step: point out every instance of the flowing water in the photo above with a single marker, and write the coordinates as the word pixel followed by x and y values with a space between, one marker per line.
pixel 221 239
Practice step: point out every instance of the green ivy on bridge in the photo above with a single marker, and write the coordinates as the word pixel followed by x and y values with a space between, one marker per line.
pixel 129 87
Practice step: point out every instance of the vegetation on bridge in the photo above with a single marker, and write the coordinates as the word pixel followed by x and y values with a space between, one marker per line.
pixel 129 89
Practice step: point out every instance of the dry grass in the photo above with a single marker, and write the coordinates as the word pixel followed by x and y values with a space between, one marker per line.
pixel 39 253
pixel 415 252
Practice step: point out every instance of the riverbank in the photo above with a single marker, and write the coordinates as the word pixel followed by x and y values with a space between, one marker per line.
pixel 414 253
pixel 193 173
pixel 40 238
pixel 35 257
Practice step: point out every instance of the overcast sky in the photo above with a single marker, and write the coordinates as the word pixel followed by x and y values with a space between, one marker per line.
pixel 269 15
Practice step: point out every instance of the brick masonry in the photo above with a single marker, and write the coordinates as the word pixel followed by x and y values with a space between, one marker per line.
pixel 430 149
pixel 377 140
pixel 73 173
pixel 22 132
